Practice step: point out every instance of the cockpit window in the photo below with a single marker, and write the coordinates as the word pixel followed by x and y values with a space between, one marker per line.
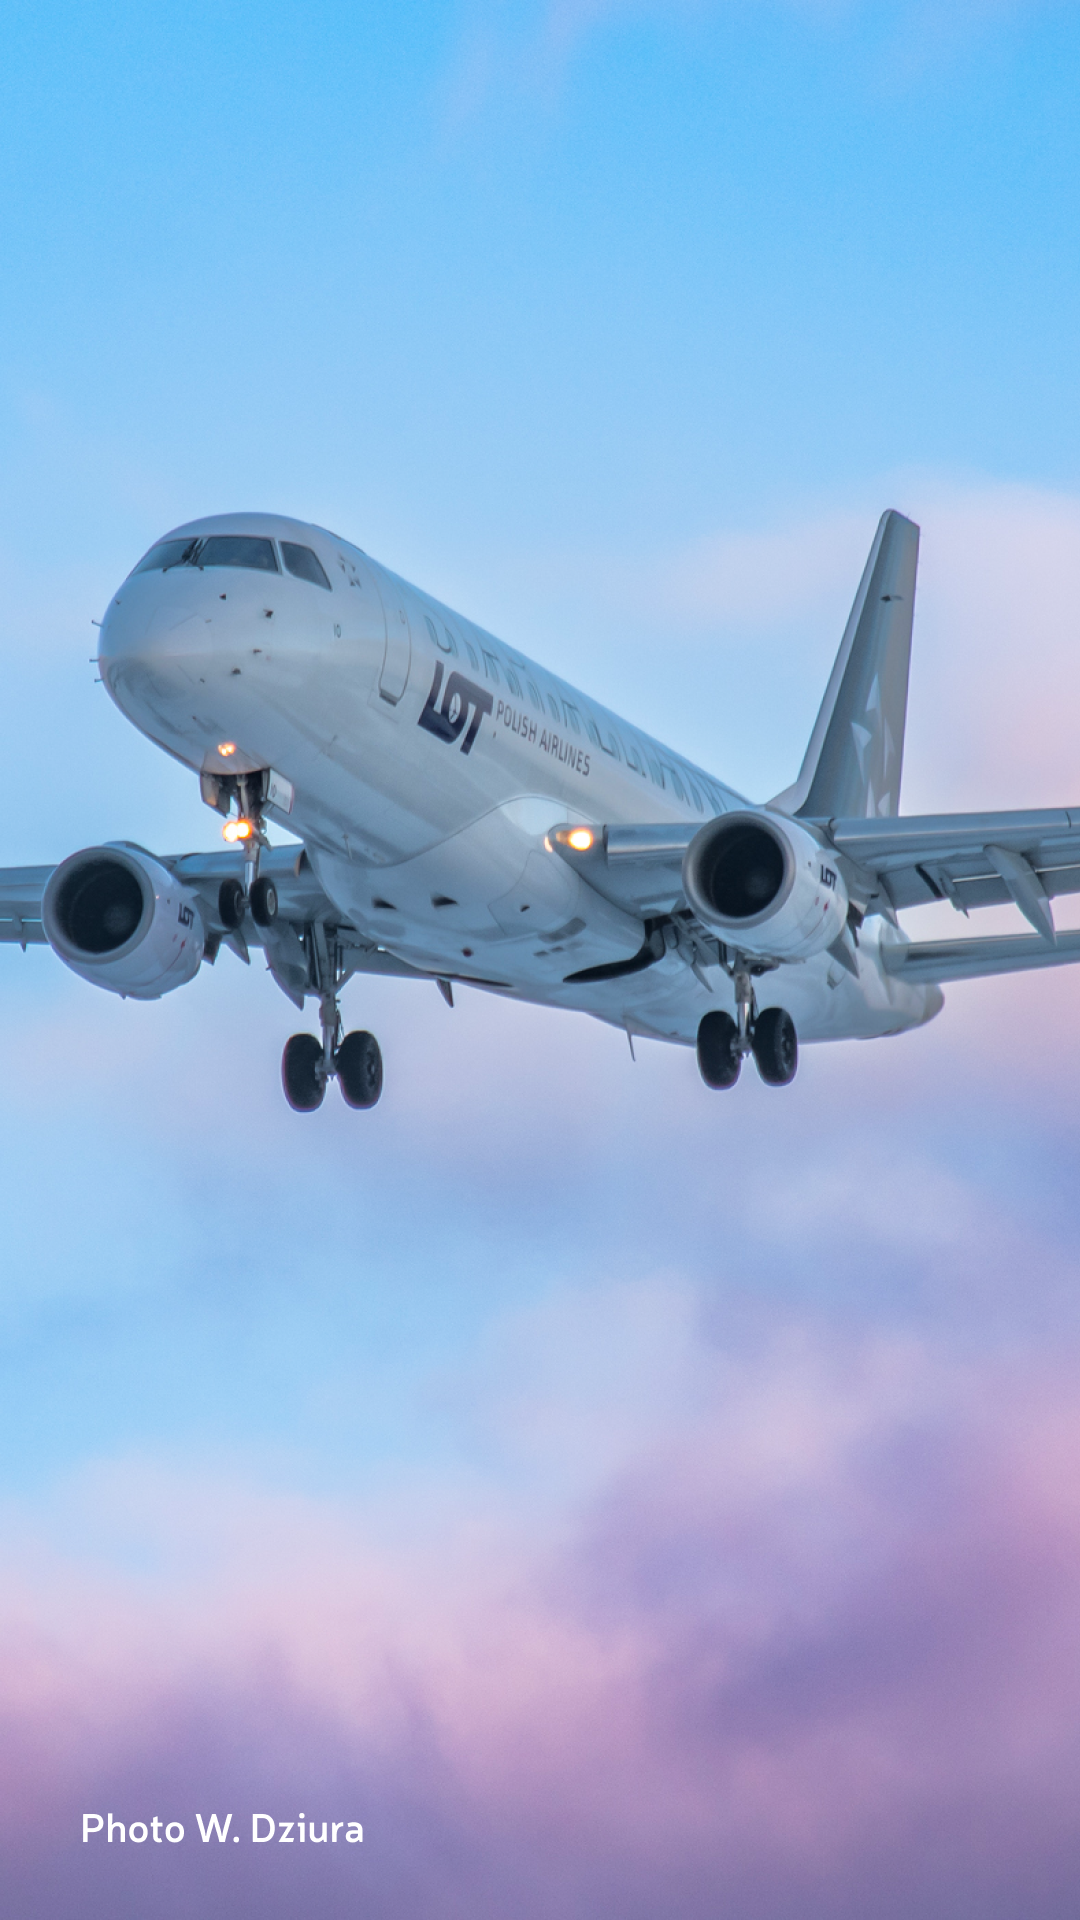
pixel 304 564
pixel 167 553
pixel 220 550
pixel 238 550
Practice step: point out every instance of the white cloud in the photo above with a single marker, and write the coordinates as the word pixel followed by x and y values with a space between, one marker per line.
pixel 528 50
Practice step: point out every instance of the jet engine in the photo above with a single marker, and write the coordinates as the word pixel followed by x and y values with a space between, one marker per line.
pixel 120 919
pixel 765 885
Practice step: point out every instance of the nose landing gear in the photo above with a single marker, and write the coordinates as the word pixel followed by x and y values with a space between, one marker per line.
pixel 723 1043
pixel 307 1064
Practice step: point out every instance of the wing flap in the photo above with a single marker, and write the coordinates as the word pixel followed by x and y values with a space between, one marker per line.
pixel 21 889
pixel 972 859
pixel 22 933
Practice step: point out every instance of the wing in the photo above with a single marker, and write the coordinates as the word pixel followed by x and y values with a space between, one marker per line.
pixel 970 859
pixel 302 907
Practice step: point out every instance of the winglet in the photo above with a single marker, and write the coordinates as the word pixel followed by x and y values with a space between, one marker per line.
pixel 853 762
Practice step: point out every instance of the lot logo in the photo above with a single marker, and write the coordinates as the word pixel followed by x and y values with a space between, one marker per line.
pixel 447 719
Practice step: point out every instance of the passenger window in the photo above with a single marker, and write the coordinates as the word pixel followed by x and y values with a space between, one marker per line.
pixel 534 695
pixel 657 771
pixel 573 719
pixel 471 651
pixel 676 782
pixel 633 757
pixel 167 553
pixel 491 665
pixel 513 682
pixel 610 743
pixel 304 564
pixel 238 550
pixel 451 643
pixel 554 706
pixel 592 730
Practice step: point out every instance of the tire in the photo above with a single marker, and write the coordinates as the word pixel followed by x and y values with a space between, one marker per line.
pixel 359 1069
pixel 300 1062
pixel 230 904
pixel 718 1062
pixel 264 902
pixel 776 1047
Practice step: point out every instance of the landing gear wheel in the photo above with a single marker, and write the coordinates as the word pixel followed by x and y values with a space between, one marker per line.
pixel 263 900
pixel 301 1074
pixel 717 1050
pixel 359 1069
pixel 230 903
pixel 776 1047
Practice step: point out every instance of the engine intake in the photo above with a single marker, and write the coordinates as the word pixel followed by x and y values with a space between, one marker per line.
pixel 765 884
pixel 98 906
pixel 119 919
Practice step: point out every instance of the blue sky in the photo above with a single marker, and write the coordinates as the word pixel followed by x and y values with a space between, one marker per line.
pixel 558 1449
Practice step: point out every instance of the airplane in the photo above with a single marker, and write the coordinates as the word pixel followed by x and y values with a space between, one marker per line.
pixel 461 815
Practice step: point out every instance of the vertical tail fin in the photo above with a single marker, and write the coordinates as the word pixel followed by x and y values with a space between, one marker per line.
pixel 852 765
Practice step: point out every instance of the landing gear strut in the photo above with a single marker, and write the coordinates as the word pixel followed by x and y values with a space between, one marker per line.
pixel 256 892
pixel 723 1043
pixel 260 892
pixel 744 1009
pixel 354 1060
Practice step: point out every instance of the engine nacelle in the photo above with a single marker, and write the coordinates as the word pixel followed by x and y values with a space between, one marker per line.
pixel 121 920
pixel 765 885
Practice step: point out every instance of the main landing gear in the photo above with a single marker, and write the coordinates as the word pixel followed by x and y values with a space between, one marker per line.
pixel 723 1043
pixel 353 1059
pixel 356 1064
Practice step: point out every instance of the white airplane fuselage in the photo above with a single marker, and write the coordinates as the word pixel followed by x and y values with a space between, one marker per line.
pixel 428 763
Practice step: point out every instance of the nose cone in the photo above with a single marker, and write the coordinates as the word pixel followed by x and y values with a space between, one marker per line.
pixel 182 636
pixel 244 629
pixel 183 649
pixel 155 642
pixel 218 633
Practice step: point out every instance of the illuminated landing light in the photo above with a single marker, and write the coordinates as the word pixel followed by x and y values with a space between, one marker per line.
pixel 581 839
pixel 226 747
pixel 235 830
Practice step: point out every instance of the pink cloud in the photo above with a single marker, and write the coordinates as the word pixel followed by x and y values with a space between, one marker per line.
pixel 814 1644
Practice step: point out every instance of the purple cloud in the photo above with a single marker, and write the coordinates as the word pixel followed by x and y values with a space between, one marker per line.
pixel 814 1649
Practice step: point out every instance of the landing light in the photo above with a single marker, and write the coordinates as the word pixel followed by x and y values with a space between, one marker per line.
pixel 235 830
pixel 226 748
pixel 581 839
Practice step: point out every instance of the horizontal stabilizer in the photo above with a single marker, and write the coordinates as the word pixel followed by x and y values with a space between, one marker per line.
pixel 944 960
